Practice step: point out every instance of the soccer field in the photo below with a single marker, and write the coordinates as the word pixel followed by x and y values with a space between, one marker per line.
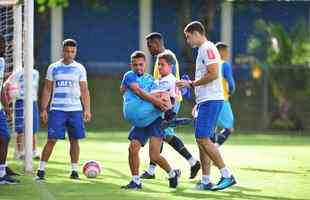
pixel 267 167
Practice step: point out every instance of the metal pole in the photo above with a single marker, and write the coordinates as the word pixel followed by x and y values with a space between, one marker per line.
pixel 28 102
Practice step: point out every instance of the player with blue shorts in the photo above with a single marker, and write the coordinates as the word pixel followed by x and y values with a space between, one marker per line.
pixel 209 98
pixel 135 86
pixel 226 117
pixel 156 47
pixel 5 178
pixel 17 79
pixel 66 81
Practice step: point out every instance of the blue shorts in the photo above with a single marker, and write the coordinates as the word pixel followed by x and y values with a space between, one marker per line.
pixel 19 117
pixel 226 117
pixel 4 128
pixel 170 131
pixel 207 117
pixel 143 134
pixel 61 121
pixel 140 113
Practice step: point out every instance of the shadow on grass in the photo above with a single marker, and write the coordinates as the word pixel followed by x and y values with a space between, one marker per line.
pixel 270 170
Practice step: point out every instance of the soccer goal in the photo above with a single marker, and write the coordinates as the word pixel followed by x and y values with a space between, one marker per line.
pixel 16 25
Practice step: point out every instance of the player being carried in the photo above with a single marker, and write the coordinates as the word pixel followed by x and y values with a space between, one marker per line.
pixel 166 71
pixel 140 108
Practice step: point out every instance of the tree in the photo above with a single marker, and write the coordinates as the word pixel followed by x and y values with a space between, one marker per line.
pixel 287 57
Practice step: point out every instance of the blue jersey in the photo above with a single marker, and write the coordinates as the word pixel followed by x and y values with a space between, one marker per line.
pixel 229 86
pixel 2 68
pixel 145 82
pixel 66 85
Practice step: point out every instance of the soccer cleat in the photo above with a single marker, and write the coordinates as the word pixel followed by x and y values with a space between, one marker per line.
pixel 201 186
pixel 132 186
pixel 40 175
pixel 194 170
pixel 10 172
pixel 176 122
pixel 8 180
pixel 174 181
pixel 147 175
pixel 225 183
pixel 74 175
pixel 36 156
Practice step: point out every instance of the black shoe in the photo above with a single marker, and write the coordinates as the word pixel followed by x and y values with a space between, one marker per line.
pixel 8 180
pixel 147 175
pixel 74 175
pixel 194 170
pixel 132 186
pixel 40 175
pixel 174 181
pixel 10 172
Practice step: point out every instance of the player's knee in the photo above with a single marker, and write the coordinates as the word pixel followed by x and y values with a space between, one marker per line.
pixel 51 142
pixel 231 130
pixel 134 148
pixel 154 156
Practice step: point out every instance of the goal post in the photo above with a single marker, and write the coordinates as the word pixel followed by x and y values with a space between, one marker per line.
pixel 16 25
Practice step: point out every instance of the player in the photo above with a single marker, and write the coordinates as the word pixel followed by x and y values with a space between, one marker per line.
pixel 70 105
pixel 135 86
pixel 226 117
pixel 209 97
pixel 156 47
pixel 4 130
pixel 18 78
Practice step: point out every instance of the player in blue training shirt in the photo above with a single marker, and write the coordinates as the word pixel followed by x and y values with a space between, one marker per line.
pixel 226 117
pixel 5 178
pixel 66 81
pixel 135 87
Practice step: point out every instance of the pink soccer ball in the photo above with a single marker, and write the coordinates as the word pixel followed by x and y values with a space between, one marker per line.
pixel 91 169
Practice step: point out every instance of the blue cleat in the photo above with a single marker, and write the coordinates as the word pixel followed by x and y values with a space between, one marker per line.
pixel 174 181
pixel 132 186
pixel 8 180
pixel 147 175
pixel 225 183
pixel 176 122
pixel 201 186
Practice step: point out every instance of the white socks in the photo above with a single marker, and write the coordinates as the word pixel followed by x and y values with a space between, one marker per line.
pixel 42 165
pixel 192 161
pixel 74 167
pixel 2 170
pixel 151 169
pixel 136 179
pixel 225 172
pixel 206 179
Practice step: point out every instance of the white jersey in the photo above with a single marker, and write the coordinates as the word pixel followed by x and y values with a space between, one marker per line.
pixel 207 55
pixel 18 78
pixel 2 68
pixel 66 85
pixel 167 84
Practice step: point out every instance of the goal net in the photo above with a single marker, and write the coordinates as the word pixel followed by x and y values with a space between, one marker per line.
pixel 13 26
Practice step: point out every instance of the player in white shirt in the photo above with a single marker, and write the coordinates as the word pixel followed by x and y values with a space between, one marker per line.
pixel 209 97
pixel 66 84
pixel 16 79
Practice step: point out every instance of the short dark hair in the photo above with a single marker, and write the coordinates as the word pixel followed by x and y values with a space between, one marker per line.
pixel 2 45
pixel 69 43
pixel 195 26
pixel 137 54
pixel 154 35
pixel 221 45
pixel 168 57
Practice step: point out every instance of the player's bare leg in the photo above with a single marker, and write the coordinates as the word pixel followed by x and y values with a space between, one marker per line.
pixel 154 151
pixel 74 155
pixel 46 153
pixel 205 183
